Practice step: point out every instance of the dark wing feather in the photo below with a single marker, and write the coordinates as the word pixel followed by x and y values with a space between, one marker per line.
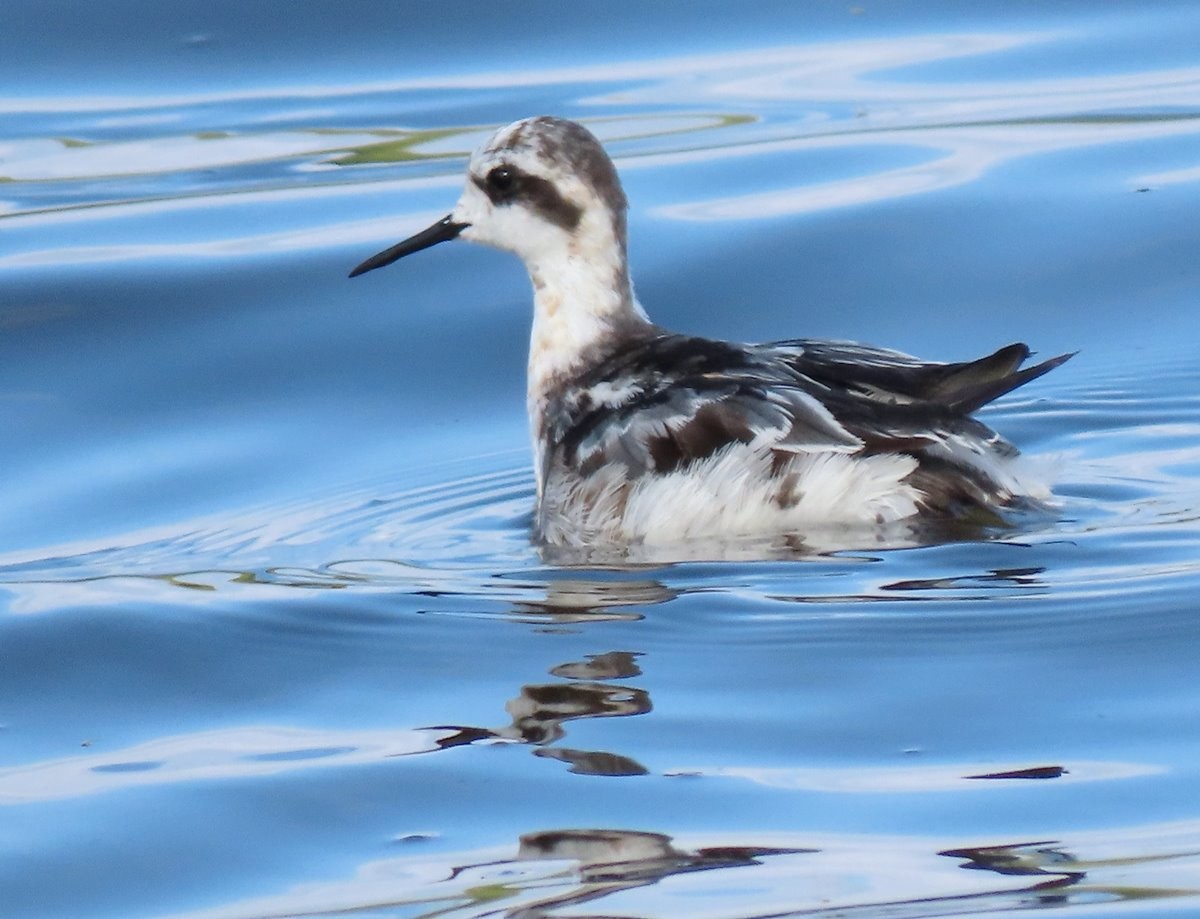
pixel 662 402
pixel 886 376
pixel 975 386
pixel 671 400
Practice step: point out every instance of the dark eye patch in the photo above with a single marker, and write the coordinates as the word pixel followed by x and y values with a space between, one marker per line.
pixel 502 180
pixel 505 184
pixel 502 184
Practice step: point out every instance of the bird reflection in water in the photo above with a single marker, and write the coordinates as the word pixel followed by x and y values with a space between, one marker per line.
pixel 593 599
pixel 540 710
pixel 611 861
pixel 1057 868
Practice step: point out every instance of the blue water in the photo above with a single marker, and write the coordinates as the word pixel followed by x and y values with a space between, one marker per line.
pixel 273 639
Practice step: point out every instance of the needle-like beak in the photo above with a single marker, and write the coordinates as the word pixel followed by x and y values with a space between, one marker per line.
pixel 441 231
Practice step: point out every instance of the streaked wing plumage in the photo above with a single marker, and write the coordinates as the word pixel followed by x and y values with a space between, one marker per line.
pixel 662 403
pixel 881 375
pixel 671 399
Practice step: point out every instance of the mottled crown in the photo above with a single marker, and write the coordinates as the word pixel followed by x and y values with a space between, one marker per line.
pixel 559 150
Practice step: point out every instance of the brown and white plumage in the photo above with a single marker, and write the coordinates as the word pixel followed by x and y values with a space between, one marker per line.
pixel 645 436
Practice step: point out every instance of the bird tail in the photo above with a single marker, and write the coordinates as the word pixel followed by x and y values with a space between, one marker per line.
pixel 976 383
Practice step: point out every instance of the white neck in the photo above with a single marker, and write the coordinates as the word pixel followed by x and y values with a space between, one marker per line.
pixel 579 305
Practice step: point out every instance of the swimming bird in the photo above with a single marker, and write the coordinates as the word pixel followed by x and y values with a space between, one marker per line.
pixel 645 436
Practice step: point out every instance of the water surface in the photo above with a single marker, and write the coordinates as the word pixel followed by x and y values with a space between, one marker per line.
pixel 274 638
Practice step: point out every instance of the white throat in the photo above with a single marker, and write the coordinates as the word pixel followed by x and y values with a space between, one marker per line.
pixel 579 304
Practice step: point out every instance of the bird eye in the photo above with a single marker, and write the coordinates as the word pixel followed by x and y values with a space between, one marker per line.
pixel 502 179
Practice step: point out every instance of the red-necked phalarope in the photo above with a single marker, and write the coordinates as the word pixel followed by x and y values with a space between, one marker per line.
pixel 644 436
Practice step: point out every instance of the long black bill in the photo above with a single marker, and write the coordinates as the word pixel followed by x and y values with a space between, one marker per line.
pixel 441 231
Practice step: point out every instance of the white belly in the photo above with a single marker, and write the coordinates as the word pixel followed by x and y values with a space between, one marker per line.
pixel 732 493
